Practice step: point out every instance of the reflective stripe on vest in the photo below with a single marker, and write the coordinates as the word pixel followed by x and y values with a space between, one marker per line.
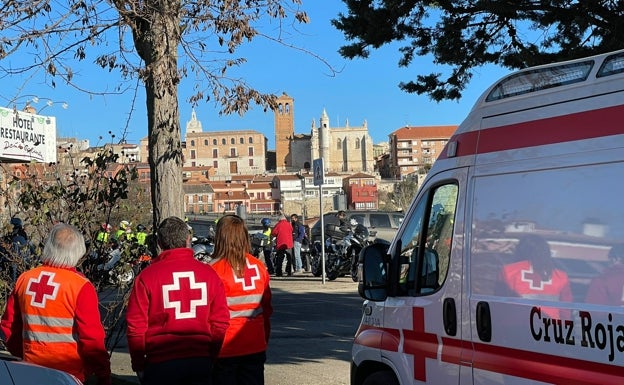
pixel 48 337
pixel 48 321
pixel 252 299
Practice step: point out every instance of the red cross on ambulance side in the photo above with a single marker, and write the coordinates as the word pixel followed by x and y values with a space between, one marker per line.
pixel 534 279
pixel 185 294
pixel 42 288
pixel 249 280
pixel 420 344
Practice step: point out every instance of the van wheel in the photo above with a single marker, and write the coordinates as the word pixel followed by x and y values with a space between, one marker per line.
pixel 381 378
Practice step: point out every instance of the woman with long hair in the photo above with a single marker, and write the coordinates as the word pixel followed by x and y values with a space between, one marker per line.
pixel 246 280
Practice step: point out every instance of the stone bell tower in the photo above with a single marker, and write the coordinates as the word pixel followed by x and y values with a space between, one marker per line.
pixel 284 132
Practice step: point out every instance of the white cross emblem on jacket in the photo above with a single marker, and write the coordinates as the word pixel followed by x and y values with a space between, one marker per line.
pixel 187 299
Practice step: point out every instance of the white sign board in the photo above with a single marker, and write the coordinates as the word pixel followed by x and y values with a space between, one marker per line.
pixel 26 137
pixel 319 172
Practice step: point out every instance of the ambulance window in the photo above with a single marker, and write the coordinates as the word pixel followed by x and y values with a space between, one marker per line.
pixel 423 269
pixel 578 237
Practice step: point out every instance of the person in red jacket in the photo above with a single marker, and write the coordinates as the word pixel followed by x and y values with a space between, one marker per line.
pixel 52 316
pixel 282 232
pixel 177 313
pixel 246 280
pixel 608 287
pixel 535 275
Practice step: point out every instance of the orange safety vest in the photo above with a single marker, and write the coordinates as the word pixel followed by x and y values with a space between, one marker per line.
pixel 47 298
pixel 249 302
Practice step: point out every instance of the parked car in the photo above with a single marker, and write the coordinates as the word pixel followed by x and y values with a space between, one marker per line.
pixel 14 371
pixel 380 224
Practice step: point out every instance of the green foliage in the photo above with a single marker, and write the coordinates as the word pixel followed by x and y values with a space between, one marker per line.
pixel 404 193
pixel 461 36
pixel 86 194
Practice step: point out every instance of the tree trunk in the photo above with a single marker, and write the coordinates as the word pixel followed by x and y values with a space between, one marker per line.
pixel 157 43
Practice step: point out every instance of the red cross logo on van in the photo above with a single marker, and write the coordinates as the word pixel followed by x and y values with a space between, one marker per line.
pixel 42 288
pixel 534 279
pixel 420 344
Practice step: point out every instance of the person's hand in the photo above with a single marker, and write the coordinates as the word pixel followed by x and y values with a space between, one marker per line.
pixel 140 376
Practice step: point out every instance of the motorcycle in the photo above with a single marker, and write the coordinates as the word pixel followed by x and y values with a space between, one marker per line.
pixel 306 254
pixel 203 248
pixel 359 240
pixel 342 252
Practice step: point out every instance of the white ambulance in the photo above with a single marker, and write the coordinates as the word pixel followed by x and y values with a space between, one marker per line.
pixel 509 265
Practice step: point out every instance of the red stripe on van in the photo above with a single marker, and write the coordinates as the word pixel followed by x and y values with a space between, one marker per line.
pixel 559 129
pixel 544 367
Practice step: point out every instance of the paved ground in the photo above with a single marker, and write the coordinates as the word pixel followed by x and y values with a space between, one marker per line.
pixel 312 330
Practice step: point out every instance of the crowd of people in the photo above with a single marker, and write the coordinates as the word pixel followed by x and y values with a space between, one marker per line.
pixel 286 239
pixel 187 322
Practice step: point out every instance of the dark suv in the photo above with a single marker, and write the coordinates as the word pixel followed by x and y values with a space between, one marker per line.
pixel 381 224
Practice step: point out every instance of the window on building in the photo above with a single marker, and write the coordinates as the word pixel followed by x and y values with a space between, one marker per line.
pixel 214 142
pixel 339 145
pixel 232 141
pixel 250 152
pixel 205 142
pixel 241 140
pixel 223 141
pixel 192 143
pixel 192 154
pixel 250 139
pixel 357 143
pixel 251 162
pixel 232 152
pixel 215 164
pixel 215 153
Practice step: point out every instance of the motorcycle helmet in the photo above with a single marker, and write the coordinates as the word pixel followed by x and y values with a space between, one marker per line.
pixel 124 225
pixel 266 222
pixel 16 222
pixel 141 228
pixel 353 222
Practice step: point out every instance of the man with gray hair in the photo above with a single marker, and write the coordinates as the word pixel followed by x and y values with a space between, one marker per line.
pixel 52 316
pixel 177 313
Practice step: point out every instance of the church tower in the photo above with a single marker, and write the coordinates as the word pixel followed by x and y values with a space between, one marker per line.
pixel 284 132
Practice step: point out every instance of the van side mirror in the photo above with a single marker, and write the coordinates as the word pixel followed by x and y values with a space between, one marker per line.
pixel 373 272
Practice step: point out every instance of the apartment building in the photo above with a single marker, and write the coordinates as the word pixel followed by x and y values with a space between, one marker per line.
pixel 414 149
pixel 361 191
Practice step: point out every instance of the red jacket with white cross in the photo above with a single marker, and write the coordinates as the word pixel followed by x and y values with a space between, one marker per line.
pixel 177 309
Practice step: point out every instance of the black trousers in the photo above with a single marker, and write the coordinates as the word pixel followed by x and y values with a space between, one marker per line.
pixel 279 261
pixel 268 261
pixel 183 371
pixel 240 370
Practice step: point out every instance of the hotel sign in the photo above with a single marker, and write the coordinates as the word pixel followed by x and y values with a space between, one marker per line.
pixel 26 137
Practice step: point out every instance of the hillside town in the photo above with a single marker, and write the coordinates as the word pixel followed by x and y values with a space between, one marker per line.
pixel 234 171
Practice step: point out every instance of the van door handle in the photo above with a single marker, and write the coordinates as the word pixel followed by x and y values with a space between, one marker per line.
pixel 484 322
pixel 449 314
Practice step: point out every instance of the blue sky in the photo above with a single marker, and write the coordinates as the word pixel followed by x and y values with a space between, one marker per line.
pixel 364 89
